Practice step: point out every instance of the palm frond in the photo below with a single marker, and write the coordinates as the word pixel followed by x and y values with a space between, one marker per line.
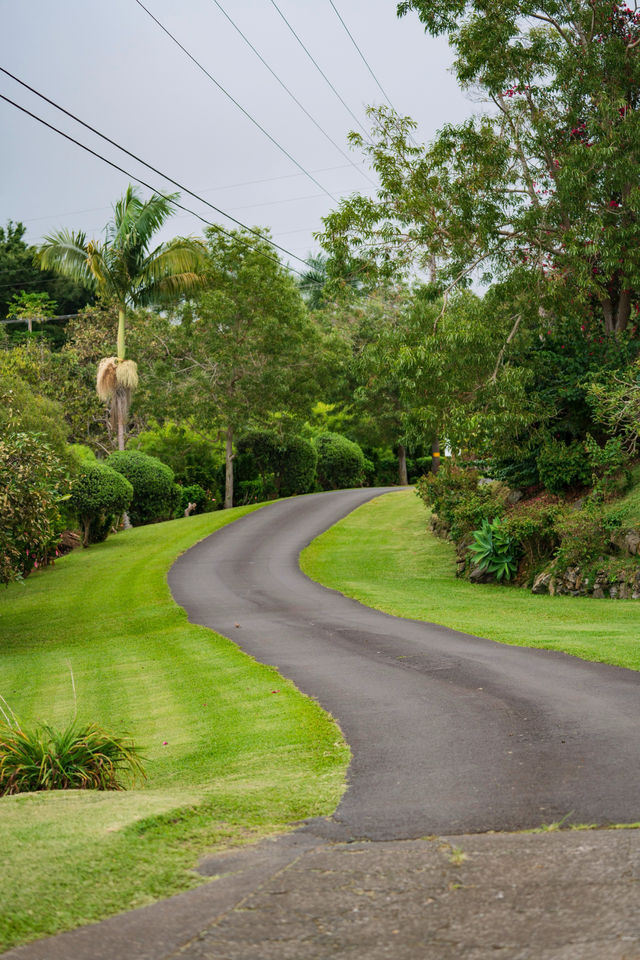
pixel 153 214
pixel 66 253
pixel 171 269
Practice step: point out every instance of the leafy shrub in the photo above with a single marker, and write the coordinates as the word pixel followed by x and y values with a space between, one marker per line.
pixel 340 462
pixel 83 757
pixel 297 467
pixel 255 491
pixel 493 549
pixel 487 502
pixel 532 526
pixel 584 534
pixel 195 494
pixel 192 458
pixel 608 466
pixel 33 485
pixel 99 496
pixel 154 497
pixel 561 465
pixel 444 490
pixel 289 461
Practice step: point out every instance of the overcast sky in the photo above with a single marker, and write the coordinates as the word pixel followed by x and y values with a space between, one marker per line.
pixel 112 66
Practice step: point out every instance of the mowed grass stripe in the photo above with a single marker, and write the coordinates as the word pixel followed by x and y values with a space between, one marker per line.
pixel 384 555
pixel 239 761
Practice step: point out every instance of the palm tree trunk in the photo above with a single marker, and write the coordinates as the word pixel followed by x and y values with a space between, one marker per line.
pixel 403 479
pixel 228 477
pixel 121 344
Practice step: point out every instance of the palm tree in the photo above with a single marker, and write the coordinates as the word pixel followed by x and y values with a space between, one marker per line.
pixel 124 269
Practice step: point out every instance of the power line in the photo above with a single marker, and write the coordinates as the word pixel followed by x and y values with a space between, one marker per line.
pixel 175 203
pixel 362 56
pixel 317 66
pixel 365 61
pixel 227 186
pixel 291 94
pixel 135 157
pixel 235 102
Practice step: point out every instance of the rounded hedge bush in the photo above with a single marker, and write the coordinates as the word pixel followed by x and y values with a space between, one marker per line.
pixel 297 468
pixel 340 462
pixel 154 496
pixel 99 495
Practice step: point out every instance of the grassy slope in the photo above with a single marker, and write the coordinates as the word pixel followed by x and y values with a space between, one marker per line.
pixel 383 556
pixel 246 752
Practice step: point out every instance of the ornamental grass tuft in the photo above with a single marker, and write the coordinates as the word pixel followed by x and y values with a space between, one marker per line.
pixel 79 757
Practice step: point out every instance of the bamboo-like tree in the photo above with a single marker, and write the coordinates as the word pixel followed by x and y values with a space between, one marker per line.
pixel 125 269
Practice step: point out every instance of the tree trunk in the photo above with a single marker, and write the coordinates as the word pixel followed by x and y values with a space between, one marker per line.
pixel 403 480
pixel 435 456
pixel 120 426
pixel 228 478
pixel 121 344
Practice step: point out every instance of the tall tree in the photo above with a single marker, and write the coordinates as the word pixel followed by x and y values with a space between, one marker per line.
pixel 544 185
pixel 248 352
pixel 125 269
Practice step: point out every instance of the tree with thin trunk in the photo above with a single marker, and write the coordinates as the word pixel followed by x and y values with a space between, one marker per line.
pixel 247 351
pixel 125 268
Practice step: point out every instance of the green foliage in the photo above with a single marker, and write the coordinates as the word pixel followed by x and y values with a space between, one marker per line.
pixel 297 467
pixel 81 453
pixel 493 549
pixel 193 459
pixel 532 525
pixel 256 491
pixel 79 757
pixel 286 465
pixel 608 466
pixel 33 485
pixel 445 491
pixel 616 404
pixel 562 465
pixel 99 496
pixel 152 481
pixel 584 534
pixel 194 493
pixel 340 462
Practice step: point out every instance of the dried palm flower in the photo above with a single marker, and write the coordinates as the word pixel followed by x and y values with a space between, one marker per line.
pixel 127 374
pixel 106 379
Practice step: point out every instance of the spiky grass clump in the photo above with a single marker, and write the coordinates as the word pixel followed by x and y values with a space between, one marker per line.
pixel 80 757
pixel 127 374
pixel 107 377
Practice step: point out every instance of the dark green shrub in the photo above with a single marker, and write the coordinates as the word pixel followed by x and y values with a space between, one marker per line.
pixel 289 461
pixel 255 491
pixel 99 496
pixel 340 462
pixel 154 497
pixel 443 491
pixel 584 534
pixel 192 459
pixel 493 549
pixel 297 465
pixel 83 757
pixel 33 487
pixel 561 465
pixel 532 526
pixel 195 494
pixel 609 473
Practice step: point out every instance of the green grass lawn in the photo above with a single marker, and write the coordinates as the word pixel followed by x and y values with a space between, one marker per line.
pixel 241 760
pixel 384 556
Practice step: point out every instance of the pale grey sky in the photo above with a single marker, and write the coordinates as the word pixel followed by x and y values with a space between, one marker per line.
pixel 110 64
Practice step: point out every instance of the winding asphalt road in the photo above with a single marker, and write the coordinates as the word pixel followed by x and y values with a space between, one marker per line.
pixel 450 734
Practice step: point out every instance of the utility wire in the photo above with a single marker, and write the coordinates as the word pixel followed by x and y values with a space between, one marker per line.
pixel 362 56
pixel 317 66
pixel 235 102
pixel 135 157
pixel 365 61
pixel 291 94
pixel 149 186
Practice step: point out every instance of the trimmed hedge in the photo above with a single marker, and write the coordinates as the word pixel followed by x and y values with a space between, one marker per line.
pixel 154 494
pixel 289 461
pixel 99 496
pixel 341 462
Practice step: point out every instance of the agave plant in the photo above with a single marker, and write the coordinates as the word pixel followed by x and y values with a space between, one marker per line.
pixel 493 549
pixel 126 270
